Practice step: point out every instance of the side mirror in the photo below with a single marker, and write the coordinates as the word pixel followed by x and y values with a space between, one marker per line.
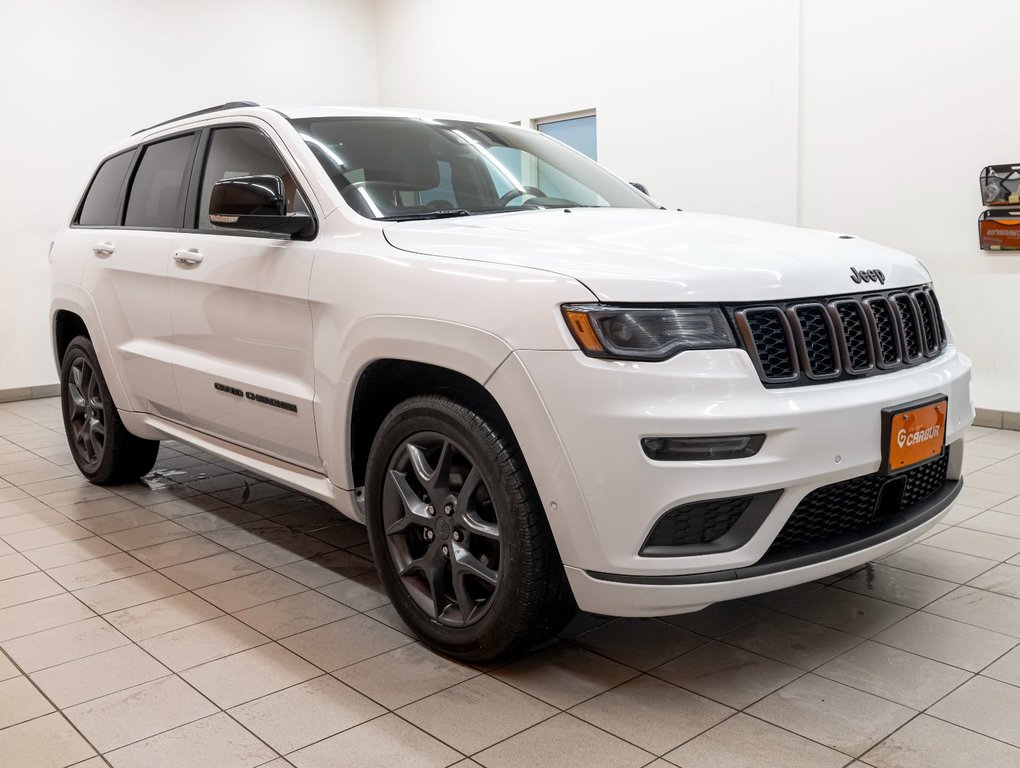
pixel 256 203
pixel 639 187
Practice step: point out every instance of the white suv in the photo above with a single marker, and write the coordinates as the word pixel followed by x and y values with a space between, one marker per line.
pixel 534 384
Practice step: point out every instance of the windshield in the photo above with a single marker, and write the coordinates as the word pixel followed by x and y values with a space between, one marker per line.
pixel 397 168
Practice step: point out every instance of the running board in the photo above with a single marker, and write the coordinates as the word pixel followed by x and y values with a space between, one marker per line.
pixel 307 481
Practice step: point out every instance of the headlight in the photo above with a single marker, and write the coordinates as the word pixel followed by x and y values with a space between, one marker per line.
pixel 646 333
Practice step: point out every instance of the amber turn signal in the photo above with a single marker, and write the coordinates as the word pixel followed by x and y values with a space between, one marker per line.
pixel 584 334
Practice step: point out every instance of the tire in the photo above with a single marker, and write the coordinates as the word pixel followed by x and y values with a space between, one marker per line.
pixel 459 535
pixel 105 452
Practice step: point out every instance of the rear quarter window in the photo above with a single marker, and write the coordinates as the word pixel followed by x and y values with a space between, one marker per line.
pixel 101 207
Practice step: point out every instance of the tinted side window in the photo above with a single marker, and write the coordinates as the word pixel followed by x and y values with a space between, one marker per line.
pixel 237 152
pixel 100 206
pixel 156 189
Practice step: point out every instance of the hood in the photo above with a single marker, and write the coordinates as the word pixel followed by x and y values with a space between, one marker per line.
pixel 627 255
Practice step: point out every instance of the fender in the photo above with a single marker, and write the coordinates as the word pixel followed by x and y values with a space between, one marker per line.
pixel 467 350
pixel 74 298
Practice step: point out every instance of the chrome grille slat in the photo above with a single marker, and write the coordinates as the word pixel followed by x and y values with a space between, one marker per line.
pixel 834 338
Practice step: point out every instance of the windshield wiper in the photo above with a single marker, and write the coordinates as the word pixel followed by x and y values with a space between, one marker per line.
pixel 449 213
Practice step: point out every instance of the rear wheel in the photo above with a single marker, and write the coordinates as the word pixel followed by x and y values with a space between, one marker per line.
pixel 458 533
pixel 105 452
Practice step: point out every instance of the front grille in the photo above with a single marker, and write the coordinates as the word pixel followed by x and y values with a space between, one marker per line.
pixel 829 339
pixel 858 505
pixel 697 523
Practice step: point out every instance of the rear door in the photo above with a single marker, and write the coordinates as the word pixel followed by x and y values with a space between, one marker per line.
pixel 242 329
pixel 125 271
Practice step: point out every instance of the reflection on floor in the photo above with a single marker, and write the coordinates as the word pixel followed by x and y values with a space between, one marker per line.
pixel 210 618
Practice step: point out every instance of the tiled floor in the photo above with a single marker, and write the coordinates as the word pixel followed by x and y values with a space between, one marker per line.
pixel 209 618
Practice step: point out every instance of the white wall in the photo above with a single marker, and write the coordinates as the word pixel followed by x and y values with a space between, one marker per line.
pixel 902 104
pixel 697 99
pixel 77 76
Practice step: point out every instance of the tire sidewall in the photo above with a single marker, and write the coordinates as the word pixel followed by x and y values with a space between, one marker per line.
pixel 410 418
pixel 82 347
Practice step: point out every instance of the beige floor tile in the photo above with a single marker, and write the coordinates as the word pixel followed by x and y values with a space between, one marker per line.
pixel 983 705
pixel 71 552
pixel 25 589
pixel 98 571
pixel 385 742
pixel 903 677
pixel 718 619
pixel 896 586
pixel 94 676
pixel 46 742
pixel 288 549
pixel 46 537
pixel 832 714
pixel 793 641
pixel 959 513
pixel 20 701
pixel 476 713
pixel 149 535
pixel 404 675
pixel 128 592
pixel 1003 579
pixel 651 713
pixel 564 742
pixel 37 616
pixel 781 597
pixel 327 569
pixel 7 669
pixel 30 521
pixel 15 565
pixel 213 741
pixel 727 674
pixel 948 641
pixel 189 506
pixel 62 644
pixel 121 521
pixel 200 643
pixel 988 610
pixel 249 675
pixel 178 551
pixel 990 482
pixel 388 615
pixel 211 570
pixel 216 520
pixel 977 543
pixel 293 614
pixel 849 612
pixel 362 593
pixel 992 521
pixel 344 642
pixel 929 743
pixel 136 713
pixel 306 713
pixel 1006 668
pixel 640 643
pixel 939 563
pixel 98 507
pixel 564 675
pixel 247 591
pixel 150 619
pixel 746 742
pixel 248 534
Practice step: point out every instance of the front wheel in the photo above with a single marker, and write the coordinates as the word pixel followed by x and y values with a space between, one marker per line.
pixel 105 452
pixel 458 532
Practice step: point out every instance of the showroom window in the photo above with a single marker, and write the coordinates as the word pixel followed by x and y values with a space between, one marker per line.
pixel 100 206
pixel 235 152
pixel 577 131
pixel 156 189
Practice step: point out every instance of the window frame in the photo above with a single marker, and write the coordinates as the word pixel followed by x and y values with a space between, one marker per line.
pixel 187 204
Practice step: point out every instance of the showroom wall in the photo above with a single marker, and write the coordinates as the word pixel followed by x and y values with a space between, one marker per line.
pixel 871 117
pixel 77 76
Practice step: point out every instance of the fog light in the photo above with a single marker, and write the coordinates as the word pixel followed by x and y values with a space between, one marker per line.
pixel 702 448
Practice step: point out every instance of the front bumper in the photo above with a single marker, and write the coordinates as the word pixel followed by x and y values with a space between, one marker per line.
pixel 580 422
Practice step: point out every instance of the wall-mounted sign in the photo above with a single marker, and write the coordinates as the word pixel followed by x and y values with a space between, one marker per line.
pixel 999 230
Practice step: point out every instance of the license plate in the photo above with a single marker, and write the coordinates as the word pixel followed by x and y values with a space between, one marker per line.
pixel 913 434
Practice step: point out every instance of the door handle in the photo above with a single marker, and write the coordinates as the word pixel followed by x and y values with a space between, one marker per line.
pixel 190 257
pixel 103 249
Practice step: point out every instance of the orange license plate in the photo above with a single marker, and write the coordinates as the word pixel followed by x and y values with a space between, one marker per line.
pixel 914 434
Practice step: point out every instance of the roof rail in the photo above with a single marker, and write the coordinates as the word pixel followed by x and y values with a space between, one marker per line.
pixel 218 108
